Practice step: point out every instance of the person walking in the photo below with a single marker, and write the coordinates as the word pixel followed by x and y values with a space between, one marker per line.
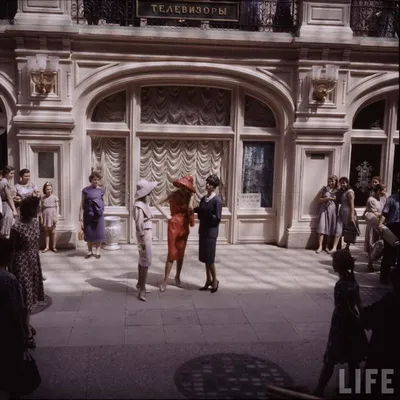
pixel 327 212
pixel 142 216
pixel 374 206
pixel 209 212
pixel 391 218
pixel 178 226
pixel 347 342
pixel 25 261
pixel 91 214
pixel 347 223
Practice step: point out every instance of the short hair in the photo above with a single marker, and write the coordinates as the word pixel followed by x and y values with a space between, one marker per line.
pixel 29 207
pixel 213 180
pixel 334 178
pixel 344 179
pixel 376 178
pixel 23 172
pixel 95 174
pixel 6 170
pixel 378 188
pixel 48 183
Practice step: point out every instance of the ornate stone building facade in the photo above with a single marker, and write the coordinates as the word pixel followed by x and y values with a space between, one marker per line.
pixel 273 102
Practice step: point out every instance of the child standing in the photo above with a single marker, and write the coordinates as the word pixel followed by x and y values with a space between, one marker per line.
pixel 142 216
pixel 49 207
pixel 347 341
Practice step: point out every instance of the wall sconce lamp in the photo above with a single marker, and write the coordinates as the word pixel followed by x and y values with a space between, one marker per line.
pixel 324 84
pixel 43 71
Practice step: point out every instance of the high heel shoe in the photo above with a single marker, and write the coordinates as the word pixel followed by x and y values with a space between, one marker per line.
pixel 206 286
pixel 214 290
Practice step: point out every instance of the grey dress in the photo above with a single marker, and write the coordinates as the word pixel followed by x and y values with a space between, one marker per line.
pixel 7 220
pixel 327 213
pixel 343 220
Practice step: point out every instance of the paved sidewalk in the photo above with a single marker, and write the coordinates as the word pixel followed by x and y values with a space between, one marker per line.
pixel 97 340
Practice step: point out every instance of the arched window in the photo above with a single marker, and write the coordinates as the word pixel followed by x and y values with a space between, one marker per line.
pixel 373 146
pixel 258 114
pixel 111 109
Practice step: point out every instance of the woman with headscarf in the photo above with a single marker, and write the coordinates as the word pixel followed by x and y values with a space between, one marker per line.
pixel 210 213
pixel 178 226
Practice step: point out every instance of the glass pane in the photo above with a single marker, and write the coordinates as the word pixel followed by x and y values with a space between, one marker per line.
pixel 396 168
pixel 371 116
pixel 111 109
pixel 164 161
pixel 258 170
pixel 365 163
pixel 258 114
pixel 184 105
pixel 46 165
pixel 109 158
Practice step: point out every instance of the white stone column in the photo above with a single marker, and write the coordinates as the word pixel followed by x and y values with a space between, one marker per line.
pixel 44 13
pixel 325 20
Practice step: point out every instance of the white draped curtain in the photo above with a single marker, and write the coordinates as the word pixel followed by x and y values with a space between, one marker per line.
pixel 184 105
pixel 109 158
pixel 164 161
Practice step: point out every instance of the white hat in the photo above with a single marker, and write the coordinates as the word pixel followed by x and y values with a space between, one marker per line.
pixel 143 188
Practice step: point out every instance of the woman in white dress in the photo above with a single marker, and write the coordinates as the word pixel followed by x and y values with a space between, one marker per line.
pixel 374 206
pixel 25 187
pixel 327 212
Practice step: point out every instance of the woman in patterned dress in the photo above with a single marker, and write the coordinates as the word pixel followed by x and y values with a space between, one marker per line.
pixel 25 261
pixel 49 210
pixel 178 226
pixel 347 341
pixel 327 211
pixel 347 217
pixel 7 194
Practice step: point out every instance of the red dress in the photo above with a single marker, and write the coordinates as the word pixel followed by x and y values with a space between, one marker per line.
pixel 178 226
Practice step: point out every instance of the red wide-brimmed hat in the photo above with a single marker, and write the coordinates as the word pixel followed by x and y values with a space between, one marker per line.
pixel 185 182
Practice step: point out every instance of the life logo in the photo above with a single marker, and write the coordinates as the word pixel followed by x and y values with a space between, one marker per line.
pixel 372 376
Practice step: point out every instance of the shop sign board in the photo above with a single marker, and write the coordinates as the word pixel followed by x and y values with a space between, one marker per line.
pixel 189 10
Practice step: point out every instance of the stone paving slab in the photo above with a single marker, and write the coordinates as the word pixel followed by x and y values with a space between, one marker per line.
pixel 273 303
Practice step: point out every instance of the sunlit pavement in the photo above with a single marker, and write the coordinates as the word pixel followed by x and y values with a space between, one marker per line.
pixel 97 340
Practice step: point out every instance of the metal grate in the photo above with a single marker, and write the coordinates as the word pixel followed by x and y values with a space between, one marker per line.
pixel 254 15
pixel 375 18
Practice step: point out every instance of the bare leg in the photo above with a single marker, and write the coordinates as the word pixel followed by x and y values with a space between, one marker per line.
pixel 54 240
pixel 179 265
pixel 142 290
pixel 139 268
pixel 324 378
pixel 208 274
pixel 90 249
pixel 46 239
pixel 168 267
pixel 335 243
pixel 320 241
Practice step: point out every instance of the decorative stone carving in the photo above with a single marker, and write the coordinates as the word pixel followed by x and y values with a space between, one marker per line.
pixel 184 105
pixel 109 158
pixel 113 233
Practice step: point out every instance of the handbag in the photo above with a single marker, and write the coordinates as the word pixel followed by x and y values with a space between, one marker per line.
pixel 28 377
pixel 349 236
pixel 81 235
pixel 377 250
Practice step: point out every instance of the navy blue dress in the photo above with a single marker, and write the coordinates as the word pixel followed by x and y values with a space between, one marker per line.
pixel 210 216
pixel 93 223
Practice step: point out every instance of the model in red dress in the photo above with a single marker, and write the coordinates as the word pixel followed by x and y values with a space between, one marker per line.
pixel 178 226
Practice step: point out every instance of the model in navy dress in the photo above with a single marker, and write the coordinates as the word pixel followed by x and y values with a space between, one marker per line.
pixel 92 215
pixel 209 212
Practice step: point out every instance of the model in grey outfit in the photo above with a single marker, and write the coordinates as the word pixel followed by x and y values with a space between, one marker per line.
pixel 9 213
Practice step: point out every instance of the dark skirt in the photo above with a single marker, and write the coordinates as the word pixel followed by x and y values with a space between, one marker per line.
pixel 207 248
pixel 94 229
